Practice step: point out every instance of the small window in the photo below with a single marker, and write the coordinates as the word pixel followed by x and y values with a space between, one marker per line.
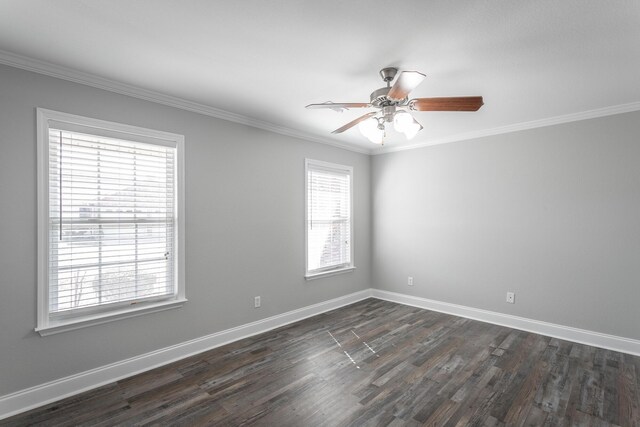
pixel 329 220
pixel 111 233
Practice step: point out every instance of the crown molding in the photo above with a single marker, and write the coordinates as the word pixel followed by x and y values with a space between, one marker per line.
pixel 64 73
pixel 549 121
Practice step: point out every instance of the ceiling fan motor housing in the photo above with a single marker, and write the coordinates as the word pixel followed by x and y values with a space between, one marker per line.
pixel 379 98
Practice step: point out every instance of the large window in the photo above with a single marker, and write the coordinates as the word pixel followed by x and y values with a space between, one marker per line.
pixel 110 221
pixel 329 221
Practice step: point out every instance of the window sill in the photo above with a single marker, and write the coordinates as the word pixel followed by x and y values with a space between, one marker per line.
pixel 58 326
pixel 314 276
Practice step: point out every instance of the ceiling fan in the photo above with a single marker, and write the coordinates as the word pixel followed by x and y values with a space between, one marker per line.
pixel 392 103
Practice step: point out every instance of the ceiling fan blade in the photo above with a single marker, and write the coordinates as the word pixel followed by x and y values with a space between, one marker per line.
pixel 461 103
pixel 406 82
pixel 354 122
pixel 339 105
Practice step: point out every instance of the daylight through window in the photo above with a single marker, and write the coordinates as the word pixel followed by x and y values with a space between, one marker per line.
pixel 111 222
pixel 329 217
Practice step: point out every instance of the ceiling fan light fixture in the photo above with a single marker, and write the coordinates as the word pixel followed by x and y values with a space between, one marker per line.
pixel 402 121
pixel 372 129
pixel 368 127
pixel 392 103
pixel 377 134
pixel 412 129
pixel 377 138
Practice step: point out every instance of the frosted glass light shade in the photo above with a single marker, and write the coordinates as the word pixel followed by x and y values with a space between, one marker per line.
pixel 402 120
pixel 368 127
pixel 371 130
pixel 376 136
pixel 412 129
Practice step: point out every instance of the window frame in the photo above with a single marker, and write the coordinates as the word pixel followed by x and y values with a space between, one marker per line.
pixel 46 324
pixel 328 271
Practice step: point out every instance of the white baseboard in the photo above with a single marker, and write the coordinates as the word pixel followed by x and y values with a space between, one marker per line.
pixel 43 394
pixel 582 336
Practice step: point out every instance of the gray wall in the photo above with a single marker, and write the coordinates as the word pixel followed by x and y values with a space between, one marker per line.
pixel 552 214
pixel 244 230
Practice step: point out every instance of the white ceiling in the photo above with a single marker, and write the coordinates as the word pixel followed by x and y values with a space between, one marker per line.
pixel 266 60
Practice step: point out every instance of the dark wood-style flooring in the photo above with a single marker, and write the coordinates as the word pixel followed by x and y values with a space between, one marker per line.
pixel 372 363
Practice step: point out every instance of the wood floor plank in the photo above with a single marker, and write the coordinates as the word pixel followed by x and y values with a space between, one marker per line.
pixel 628 397
pixel 368 364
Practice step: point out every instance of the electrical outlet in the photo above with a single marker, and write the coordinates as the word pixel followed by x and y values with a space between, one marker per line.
pixel 410 281
pixel 256 302
pixel 511 297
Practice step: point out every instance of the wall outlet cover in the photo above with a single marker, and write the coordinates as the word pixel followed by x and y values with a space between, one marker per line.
pixel 511 297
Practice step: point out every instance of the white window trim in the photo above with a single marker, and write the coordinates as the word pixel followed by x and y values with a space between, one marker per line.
pixel 341 268
pixel 328 273
pixel 47 326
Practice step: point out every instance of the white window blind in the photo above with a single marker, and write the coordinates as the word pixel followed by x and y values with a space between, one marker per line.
pixel 329 222
pixel 111 222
